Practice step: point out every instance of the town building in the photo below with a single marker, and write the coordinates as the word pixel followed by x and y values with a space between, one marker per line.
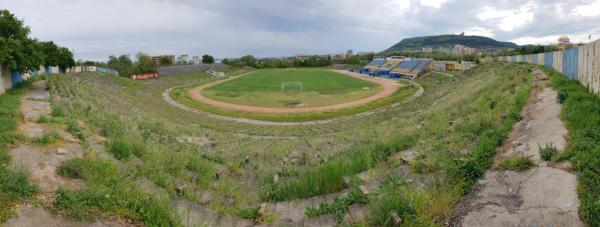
pixel 196 60
pixel 349 54
pixel 183 59
pixel 564 42
pixel 157 59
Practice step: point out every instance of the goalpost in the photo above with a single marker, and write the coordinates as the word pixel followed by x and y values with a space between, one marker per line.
pixel 291 86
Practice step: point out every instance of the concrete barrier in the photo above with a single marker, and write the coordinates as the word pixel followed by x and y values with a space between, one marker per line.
pixel 8 79
pixel 5 79
pixel 579 63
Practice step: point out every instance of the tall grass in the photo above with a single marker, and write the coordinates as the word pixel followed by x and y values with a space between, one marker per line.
pixel 339 206
pixel 123 148
pixel 14 185
pixel 470 168
pixel 50 137
pixel 516 163
pixel 329 177
pixel 109 189
pixel 581 114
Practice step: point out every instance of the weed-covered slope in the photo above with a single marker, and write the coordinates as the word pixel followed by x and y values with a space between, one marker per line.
pixel 581 113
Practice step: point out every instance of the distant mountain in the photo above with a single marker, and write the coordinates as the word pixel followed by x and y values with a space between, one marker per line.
pixel 448 41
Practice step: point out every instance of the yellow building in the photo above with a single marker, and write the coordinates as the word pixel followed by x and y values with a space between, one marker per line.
pixel 564 42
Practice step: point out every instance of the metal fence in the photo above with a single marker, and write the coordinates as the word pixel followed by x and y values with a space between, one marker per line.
pixel 579 63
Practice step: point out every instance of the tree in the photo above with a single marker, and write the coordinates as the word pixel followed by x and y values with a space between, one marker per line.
pixel 165 60
pixel 11 27
pixel 248 60
pixel 122 64
pixel 21 53
pixel 207 59
pixel 65 58
pixel 145 64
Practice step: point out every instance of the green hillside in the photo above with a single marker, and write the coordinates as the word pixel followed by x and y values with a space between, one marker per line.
pixel 480 42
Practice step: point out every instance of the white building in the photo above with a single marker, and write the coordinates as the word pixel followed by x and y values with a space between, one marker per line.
pixel 183 59
pixel 196 60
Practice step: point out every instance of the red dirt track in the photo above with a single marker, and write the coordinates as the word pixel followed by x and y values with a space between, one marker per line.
pixel 389 87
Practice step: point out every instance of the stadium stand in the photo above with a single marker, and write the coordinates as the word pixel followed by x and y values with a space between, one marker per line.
pixel 411 69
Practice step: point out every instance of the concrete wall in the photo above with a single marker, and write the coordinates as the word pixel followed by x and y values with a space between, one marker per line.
pixel 579 63
pixel 9 79
pixel 5 79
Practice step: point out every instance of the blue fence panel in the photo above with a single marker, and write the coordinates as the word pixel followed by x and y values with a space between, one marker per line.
pixel 16 78
pixel 534 59
pixel 513 58
pixel 548 59
pixel 570 62
pixel 107 71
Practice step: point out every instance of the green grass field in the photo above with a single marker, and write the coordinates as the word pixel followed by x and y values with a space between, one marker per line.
pixel 320 87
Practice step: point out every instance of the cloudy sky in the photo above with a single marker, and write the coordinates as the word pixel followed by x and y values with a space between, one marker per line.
pixel 95 29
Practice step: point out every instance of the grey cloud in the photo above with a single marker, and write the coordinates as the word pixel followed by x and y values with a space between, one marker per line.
pixel 230 28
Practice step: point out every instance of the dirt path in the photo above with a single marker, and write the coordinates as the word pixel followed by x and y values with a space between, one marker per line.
pixel 41 161
pixel 389 87
pixel 542 196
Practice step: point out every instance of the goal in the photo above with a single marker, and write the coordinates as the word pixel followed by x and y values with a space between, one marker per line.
pixel 291 86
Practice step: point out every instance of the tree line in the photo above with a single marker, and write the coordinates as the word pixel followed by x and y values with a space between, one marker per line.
pixel 143 63
pixel 436 56
pixel 22 53
pixel 295 62
pixel 528 49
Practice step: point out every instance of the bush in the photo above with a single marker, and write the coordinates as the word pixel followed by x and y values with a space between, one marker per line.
pixel 74 129
pixel 516 163
pixel 561 96
pixel 123 148
pixel 548 152
pixel 338 206
pixel 7 123
pixel 250 213
pixel 15 184
pixel 49 138
pixel 112 127
pixel 390 202
pixel 72 168
pixel 43 119
pixel 57 111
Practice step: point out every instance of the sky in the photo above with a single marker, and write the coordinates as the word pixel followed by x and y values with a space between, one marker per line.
pixel 95 29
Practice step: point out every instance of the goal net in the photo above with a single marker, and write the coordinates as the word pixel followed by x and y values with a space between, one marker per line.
pixel 291 86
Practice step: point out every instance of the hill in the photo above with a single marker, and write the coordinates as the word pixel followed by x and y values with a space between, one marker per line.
pixel 448 41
